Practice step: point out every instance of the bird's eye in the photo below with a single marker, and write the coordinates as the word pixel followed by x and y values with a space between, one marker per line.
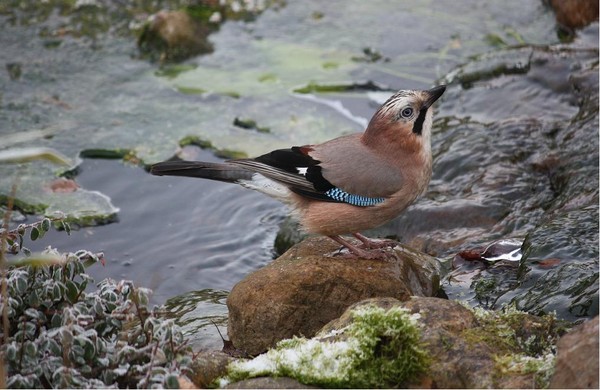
pixel 406 112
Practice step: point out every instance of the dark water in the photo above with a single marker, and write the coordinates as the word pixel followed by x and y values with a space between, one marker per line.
pixel 174 235
pixel 515 141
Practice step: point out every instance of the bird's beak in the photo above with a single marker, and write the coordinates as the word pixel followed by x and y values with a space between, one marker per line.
pixel 433 94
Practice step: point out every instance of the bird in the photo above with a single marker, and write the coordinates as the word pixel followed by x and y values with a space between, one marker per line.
pixel 345 185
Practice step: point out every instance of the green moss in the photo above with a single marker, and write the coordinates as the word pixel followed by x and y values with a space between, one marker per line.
pixel 378 349
pixel 518 331
pixel 200 12
pixel 541 367
pixel 523 344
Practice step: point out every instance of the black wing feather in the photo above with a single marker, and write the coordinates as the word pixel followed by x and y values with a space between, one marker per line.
pixel 291 159
pixel 282 165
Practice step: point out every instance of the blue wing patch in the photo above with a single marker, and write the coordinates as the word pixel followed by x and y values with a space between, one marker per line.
pixel 356 200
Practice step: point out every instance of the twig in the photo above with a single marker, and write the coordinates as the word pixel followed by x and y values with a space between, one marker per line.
pixel 151 363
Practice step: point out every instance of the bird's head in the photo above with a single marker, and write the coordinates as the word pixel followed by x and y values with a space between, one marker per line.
pixel 405 119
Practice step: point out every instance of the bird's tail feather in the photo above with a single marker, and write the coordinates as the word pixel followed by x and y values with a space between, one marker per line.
pixel 206 170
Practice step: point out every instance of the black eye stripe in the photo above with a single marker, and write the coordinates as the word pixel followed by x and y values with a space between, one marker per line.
pixel 418 126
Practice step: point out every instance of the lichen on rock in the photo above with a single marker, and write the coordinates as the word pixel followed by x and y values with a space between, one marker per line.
pixel 379 348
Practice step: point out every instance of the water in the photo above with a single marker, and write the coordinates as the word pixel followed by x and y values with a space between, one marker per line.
pixel 174 235
pixel 515 143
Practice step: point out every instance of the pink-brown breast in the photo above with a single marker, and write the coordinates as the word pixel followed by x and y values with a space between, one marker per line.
pixel 329 218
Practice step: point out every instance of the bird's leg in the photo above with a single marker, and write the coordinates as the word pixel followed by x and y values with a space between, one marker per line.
pixel 356 251
pixel 374 244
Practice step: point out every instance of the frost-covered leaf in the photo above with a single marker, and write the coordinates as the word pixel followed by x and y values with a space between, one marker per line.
pixel 45 225
pixel 34 234
pixel 171 381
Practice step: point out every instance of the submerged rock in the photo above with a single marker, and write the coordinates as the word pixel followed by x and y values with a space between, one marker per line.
pixel 174 35
pixel 309 286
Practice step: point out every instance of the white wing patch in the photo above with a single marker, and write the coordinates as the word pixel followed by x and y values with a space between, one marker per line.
pixel 267 186
pixel 302 170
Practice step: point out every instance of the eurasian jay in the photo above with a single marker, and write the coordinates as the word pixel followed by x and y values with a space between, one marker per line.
pixel 348 184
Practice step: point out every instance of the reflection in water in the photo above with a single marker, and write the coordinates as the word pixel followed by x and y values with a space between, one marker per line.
pixel 199 313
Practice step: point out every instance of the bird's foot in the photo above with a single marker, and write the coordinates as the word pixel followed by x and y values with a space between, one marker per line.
pixel 375 244
pixel 372 254
pixel 355 252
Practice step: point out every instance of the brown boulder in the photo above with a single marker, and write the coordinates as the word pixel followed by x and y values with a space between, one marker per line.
pixel 308 286
pixel 577 358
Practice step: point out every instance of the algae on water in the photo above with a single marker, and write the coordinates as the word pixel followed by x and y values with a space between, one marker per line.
pixel 378 349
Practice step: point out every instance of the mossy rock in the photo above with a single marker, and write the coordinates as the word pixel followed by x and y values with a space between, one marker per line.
pixel 379 349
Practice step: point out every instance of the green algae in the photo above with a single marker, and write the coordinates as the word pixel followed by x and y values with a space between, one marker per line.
pixel 191 91
pixel 196 141
pixel 379 349
pixel 250 124
pixel 205 144
pixel 313 87
pixel 173 70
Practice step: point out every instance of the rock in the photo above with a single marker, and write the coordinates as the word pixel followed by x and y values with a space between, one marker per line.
pixel 174 36
pixel 577 358
pixel 268 383
pixel 185 383
pixel 308 286
pixel 208 366
pixel 465 348
pixel 457 363
pixel 575 13
pixel 289 234
pixel 484 349
pixel 380 348
pixel 456 347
